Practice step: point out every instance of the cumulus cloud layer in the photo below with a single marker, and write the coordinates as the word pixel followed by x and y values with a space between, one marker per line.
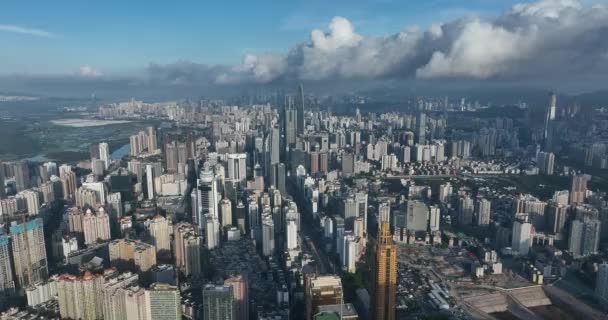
pixel 546 38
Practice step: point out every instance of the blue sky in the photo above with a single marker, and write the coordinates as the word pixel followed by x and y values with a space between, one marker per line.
pixel 57 37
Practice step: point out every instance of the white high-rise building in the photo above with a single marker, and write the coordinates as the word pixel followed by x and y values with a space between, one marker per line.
pixel 158 227
pixel 212 231
pixel 163 301
pixel 237 166
pixel 226 210
pixel 150 175
pixel 434 218
pixel 522 236
pixel 292 234
pixel 104 154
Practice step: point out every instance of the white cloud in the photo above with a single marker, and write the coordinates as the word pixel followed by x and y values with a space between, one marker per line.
pixel 546 39
pixel 481 50
pixel 89 71
pixel 26 31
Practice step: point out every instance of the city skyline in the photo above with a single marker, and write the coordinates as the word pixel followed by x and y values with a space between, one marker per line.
pixel 304 160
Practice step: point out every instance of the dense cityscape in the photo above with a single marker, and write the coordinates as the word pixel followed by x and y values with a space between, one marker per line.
pixel 283 210
pixel 455 169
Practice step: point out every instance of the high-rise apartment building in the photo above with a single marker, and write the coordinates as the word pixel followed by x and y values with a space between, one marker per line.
pixel 218 302
pixel 80 297
pixel 132 255
pixel 522 235
pixel 163 302
pixel 482 211
pixel 578 191
pixel 158 229
pixel 114 296
pixel 22 175
pixel 601 284
pixel 104 154
pixel 466 208
pixel 7 283
pixel 152 140
pixel 240 293
pixel 29 252
pixel 95 227
pixel 584 236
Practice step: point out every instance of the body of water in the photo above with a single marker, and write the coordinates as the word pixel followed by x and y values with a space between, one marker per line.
pixel 121 152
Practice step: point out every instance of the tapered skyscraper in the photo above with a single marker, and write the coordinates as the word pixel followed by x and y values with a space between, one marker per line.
pixel 385 275
pixel 549 122
pixel 300 109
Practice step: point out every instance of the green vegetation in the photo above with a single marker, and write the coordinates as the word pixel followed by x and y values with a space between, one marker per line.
pixel 351 282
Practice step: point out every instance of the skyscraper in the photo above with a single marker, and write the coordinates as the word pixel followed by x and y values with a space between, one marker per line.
pixel 2 186
pixel 152 141
pixel 289 121
pixel 218 302
pixel 29 252
pixel 240 293
pixel 421 128
pixel 150 175
pixel 171 157
pixel 207 197
pixel 482 211
pixel 300 108
pixel 96 227
pixel 158 228
pixel 549 122
pixel 385 275
pixel 22 175
pixel 545 162
pixel 268 244
pixel 212 231
pixel 601 284
pixel 104 154
pixel 163 302
pixel 226 212
pixel 80 297
pixel 465 210
pixel 188 248
pixel 114 296
pixel 277 177
pixel 584 236
pixel 237 167
pixel 94 151
pixel 578 191
pixel 7 284
pixel 556 217
pixel 522 236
